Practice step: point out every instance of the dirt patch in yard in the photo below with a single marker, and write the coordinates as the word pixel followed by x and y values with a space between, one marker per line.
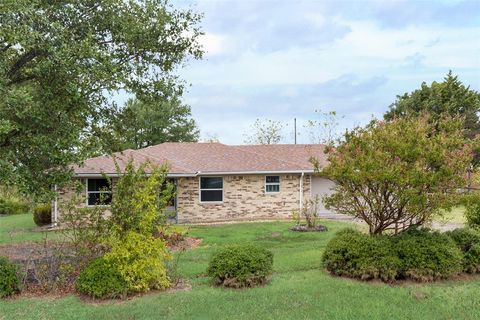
pixel 40 261
pixel 30 250
pixel 186 244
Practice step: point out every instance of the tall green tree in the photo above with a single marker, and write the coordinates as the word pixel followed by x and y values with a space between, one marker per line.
pixel 60 63
pixel 450 96
pixel 144 123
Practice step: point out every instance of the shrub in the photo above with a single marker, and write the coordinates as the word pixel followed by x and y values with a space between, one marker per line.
pixel 101 279
pixel 240 265
pixel 468 241
pixel 172 234
pixel 139 199
pixel 354 254
pixel 42 214
pixel 420 255
pixel 12 206
pixel 427 255
pixel 140 259
pixel 472 209
pixel 9 280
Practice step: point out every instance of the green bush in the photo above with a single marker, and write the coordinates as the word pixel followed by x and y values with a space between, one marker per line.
pixel 354 254
pixel 239 266
pixel 468 241
pixel 427 255
pixel 101 279
pixel 9 280
pixel 12 206
pixel 140 259
pixel 420 255
pixel 42 214
pixel 472 209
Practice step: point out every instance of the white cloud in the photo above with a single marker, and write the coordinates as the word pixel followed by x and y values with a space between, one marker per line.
pixel 366 49
pixel 283 59
pixel 214 44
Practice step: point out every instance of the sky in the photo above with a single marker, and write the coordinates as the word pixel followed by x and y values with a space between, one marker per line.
pixel 282 60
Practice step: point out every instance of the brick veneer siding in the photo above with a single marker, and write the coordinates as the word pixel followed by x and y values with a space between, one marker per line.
pixel 244 199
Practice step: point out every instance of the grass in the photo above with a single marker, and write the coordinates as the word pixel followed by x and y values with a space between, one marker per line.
pixel 16 228
pixel 299 288
pixel 457 215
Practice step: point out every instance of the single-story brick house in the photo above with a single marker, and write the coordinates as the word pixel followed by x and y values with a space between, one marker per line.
pixel 218 182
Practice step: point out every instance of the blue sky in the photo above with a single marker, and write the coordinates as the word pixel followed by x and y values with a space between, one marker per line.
pixel 284 59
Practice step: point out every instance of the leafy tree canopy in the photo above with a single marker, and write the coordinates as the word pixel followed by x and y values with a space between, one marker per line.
pixel 60 61
pixel 142 123
pixel 398 174
pixel 450 96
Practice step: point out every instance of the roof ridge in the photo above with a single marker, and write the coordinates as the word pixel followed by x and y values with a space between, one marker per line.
pixel 259 154
pixel 279 144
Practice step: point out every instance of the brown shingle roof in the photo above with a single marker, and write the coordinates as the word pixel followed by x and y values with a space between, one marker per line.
pixel 208 158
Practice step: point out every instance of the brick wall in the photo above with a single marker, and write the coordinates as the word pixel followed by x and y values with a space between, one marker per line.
pixel 244 199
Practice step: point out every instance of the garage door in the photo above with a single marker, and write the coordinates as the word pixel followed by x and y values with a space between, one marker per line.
pixel 320 188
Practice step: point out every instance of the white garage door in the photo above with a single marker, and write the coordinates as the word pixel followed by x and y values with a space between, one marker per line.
pixel 321 187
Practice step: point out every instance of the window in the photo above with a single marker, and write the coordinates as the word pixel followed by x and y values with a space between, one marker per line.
pixel 98 192
pixel 272 184
pixel 211 189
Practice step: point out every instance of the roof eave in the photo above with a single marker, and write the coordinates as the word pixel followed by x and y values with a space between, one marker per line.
pixel 204 173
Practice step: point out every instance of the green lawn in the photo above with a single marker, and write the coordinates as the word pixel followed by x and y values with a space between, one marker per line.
pixel 299 288
pixel 457 215
pixel 20 227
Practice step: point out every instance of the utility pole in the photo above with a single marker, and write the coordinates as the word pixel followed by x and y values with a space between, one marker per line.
pixel 295 129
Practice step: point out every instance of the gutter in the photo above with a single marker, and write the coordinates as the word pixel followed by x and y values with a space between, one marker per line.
pixel 226 173
pixel 200 173
pixel 101 175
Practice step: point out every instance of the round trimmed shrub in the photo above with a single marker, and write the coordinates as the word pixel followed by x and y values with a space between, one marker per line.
pixel 468 241
pixel 42 214
pixel 9 280
pixel 427 255
pixel 101 280
pixel 243 265
pixel 357 255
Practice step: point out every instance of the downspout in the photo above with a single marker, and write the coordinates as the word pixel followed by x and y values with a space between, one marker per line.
pixel 301 191
pixel 176 200
pixel 55 208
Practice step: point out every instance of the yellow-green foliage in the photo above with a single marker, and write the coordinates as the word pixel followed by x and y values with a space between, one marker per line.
pixel 140 259
pixel 140 199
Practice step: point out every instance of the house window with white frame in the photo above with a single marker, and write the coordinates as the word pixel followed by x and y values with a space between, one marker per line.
pixel 272 184
pixel 99 192
pixel 211 189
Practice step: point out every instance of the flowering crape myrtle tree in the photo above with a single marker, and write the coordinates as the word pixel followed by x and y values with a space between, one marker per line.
pixel 399 174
